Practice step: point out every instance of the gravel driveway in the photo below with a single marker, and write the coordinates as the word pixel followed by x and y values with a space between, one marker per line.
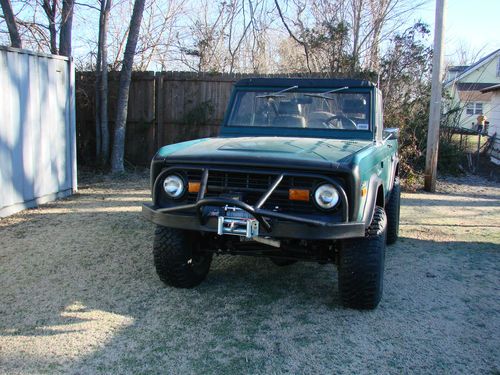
pixel 79 294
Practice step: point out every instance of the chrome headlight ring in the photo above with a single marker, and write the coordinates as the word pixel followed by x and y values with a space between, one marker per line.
pixel 174 186
pixel 326 196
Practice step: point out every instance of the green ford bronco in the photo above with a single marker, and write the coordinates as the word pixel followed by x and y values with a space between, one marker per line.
pixel 303 170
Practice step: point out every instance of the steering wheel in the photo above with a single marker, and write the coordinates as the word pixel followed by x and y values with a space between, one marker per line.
pixel 346 122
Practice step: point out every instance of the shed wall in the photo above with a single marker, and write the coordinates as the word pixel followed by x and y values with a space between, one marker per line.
pixel 37 129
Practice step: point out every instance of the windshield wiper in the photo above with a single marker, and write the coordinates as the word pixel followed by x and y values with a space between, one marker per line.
pixel 276 94
pixel 323 94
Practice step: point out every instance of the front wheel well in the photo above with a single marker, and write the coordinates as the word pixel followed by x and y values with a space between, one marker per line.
pixel 380 201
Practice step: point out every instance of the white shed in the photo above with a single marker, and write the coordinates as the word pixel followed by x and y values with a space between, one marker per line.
pixel 37 129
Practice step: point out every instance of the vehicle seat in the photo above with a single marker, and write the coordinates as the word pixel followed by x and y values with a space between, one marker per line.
pixel 287 107
pixel 290 121
pixel 289 115
pixel 318 118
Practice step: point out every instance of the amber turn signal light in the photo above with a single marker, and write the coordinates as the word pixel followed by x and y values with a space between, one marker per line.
pixel 194 187
pixel 298 195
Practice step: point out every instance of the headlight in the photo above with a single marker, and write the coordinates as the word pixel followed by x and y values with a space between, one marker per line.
pixel 326 196
pixel 173 186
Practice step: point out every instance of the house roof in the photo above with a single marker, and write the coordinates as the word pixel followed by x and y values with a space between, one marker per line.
pixel 473 67
pixel 458 68
pixel 491 88
pixel 473 86
pixel 303 82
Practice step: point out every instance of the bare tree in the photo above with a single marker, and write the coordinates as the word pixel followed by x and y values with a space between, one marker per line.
pixel 157 36
pixel 257 44
pixel 466 55
pixel 342 36
pixel 157 32
pixel 206 50
pixel 380 10
pixel 117 156
pixel 50 9
pixel 301 42
pixel 15 39
pixel 357 15
pixel 102 125
pixel 226 40
pixel 66 27
pixel 234 10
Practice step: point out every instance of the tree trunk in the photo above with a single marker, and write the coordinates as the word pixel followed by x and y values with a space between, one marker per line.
pixel 374 61
pixel 292 35
pixel 50 11
pixel 104 86
pixel 15 39
pixel 357 9
pixel 98 75
pixel 66 27
pixel 123 92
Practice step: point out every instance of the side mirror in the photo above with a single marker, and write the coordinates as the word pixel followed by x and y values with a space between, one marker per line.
pixel 391 133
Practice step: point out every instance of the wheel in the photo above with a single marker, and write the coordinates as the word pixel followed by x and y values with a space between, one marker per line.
pixel 392 209
pixel 282 262
pixel 361 265
pixel 178 259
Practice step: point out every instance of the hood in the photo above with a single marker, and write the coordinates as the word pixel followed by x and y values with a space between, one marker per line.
pixel 266 150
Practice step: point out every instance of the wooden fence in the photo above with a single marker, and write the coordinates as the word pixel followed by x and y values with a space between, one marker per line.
pixel 164 108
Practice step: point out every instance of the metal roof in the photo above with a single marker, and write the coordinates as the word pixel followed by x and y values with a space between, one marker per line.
pixel 473 86
pixel 491 88
pixel 303 82
pixel 458 68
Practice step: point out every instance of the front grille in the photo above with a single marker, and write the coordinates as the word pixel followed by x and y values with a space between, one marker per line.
pixel 251 186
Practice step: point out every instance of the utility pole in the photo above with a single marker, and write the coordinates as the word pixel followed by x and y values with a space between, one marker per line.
pixel 431 156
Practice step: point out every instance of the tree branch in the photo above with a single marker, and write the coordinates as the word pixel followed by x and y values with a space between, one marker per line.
pixel 302 43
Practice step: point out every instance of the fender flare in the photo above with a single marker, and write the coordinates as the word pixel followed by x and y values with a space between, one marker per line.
pixel 394 173
pixel 374 184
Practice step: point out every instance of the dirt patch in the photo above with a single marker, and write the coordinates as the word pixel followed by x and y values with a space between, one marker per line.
pixel 79 295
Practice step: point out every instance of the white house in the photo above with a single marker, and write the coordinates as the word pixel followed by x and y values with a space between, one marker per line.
pixel 465 84
pixel 494 120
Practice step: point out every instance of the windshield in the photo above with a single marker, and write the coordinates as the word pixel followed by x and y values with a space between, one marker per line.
pixel 321 109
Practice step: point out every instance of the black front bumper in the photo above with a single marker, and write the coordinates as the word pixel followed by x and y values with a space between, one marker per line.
pixel 278 228
pixel 193 216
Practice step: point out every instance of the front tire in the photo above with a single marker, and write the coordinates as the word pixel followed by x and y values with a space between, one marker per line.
pixel 361 265
pixel 178 259
pixel 392 209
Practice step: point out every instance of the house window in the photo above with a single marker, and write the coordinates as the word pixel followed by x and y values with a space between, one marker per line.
pixel 469 109
pixel 474 108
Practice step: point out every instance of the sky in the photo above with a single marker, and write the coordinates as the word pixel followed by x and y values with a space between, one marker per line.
pixel 473 23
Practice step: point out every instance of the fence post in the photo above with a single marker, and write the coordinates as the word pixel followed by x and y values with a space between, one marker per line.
pixel 159 130
pixel 478 151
